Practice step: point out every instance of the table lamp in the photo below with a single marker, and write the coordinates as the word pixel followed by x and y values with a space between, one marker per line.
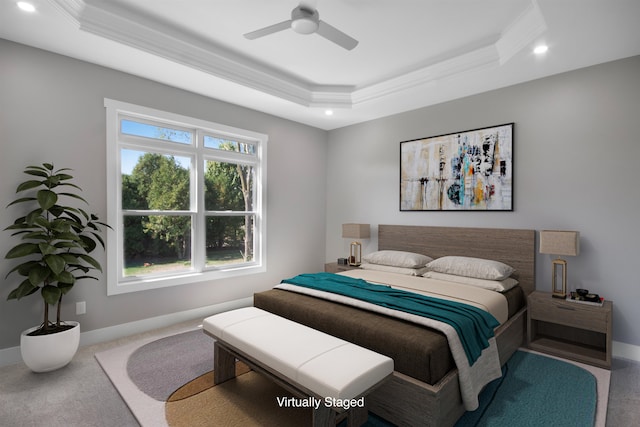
pixel 355 231
pixel 559 243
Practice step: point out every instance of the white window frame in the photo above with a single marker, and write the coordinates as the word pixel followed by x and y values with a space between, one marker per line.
pixel 115 110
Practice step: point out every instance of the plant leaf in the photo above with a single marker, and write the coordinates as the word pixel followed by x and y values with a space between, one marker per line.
pixel 89 243
pixel 55 262
pixel 99 239
pixel 46 249
pixel 86 277
pixel 21 226
pixel 90 260
pixel 24 289
pixel 70 257
pixel 75 196
pixel 27 185
pixel 24 268
pixel 60 225
pixel 56 210
pixel 33 235
pixel 63 176
pixel 51 294
pixel 22 199
pixel 23 249
pixel 40 168
pixel 66 277
pixel 69 236
pixel 38 275
pixel 40 221
pixel 37 172
pixel 69 245
pixel 34 217
pixel 52 181
pixel 46 199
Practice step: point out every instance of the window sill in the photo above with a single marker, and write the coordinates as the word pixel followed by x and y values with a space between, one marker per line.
pixel 148 283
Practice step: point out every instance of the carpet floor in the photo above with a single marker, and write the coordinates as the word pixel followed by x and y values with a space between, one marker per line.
pixel 168 382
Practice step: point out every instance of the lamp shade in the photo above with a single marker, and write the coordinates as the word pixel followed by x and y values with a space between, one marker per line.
pixel 560 242
pixel 356 231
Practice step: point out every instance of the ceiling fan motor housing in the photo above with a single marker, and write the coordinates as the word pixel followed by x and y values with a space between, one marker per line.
pixel 304 21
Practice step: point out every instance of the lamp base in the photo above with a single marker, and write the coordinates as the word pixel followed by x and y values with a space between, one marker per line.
pixel 355 254
pixel 559 279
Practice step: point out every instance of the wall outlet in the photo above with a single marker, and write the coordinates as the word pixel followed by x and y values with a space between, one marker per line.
pixel 81 307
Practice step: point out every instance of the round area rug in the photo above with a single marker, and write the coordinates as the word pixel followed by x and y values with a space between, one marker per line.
pixel 249 399
pixel 179 358
pixel 536 390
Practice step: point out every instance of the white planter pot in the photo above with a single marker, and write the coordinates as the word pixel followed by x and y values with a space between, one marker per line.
pixel 46 353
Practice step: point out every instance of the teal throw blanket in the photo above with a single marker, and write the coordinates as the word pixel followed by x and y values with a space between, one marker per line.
pixel 474 326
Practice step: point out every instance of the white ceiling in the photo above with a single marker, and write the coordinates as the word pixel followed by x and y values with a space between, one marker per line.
pixel 411 53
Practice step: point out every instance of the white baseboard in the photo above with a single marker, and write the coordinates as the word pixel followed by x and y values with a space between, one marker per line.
pixel 11 355
pixel 626 351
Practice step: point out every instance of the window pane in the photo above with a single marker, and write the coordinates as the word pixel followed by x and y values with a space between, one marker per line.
pixel 228 186
pixel 156 244
pixel 130 127
pixel 228 241
pixel 229 145
pixel 154 181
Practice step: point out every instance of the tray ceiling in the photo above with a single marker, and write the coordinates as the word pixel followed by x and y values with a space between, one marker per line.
pixel 411 53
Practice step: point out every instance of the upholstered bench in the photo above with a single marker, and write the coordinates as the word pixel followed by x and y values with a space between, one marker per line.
pixel 307 362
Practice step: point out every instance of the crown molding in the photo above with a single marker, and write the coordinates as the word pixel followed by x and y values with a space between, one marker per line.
pixel 70 9
pixel 475 60
pixel 130 27
pixel 521 32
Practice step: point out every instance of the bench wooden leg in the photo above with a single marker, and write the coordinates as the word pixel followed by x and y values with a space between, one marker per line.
pixel 357 416
pixel 324 416
pixel 224 364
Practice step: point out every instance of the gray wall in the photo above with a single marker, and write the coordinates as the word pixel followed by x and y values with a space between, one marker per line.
pixel 576 149
pixel 576 166
pixel 51 110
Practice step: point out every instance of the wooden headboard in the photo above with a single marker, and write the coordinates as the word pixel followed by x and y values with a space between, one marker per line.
pixel 514 247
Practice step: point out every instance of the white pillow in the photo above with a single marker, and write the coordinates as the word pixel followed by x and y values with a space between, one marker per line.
pixel 397 259
pixel 392 269
pixel 471 267
pixel 492 285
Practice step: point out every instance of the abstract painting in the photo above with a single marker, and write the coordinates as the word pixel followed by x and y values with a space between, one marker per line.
pixel 462 171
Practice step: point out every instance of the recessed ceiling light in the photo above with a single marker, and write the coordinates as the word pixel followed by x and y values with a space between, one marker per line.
pixel 540 49
pixel 27 7
pixel 328 112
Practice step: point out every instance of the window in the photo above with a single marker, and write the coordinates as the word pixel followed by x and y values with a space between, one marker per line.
pixel 185 199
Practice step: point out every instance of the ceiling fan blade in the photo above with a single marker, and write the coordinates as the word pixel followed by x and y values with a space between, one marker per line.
pixel 268 30
pixel 335 35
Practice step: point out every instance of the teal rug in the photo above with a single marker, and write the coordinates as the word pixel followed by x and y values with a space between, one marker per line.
pixel 535 390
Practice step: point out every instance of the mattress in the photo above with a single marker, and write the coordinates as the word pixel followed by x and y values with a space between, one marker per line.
pixel 417 351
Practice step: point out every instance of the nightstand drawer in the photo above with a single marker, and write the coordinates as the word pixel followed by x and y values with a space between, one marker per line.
pixel 571 330
pixel 334 267
pixel 571 314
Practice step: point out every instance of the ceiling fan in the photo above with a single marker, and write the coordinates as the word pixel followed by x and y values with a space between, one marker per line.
pixel 305 19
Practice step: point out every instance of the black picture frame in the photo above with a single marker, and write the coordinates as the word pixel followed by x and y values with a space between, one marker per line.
pixel 470 170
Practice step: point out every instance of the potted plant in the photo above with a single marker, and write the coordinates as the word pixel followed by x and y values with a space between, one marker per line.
pixel 55 242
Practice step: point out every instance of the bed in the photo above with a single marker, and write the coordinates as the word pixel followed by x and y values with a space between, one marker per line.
pixel 425 386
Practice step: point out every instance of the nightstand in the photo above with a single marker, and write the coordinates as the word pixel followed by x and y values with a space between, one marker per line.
pixel 334 267
pixel 575 331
